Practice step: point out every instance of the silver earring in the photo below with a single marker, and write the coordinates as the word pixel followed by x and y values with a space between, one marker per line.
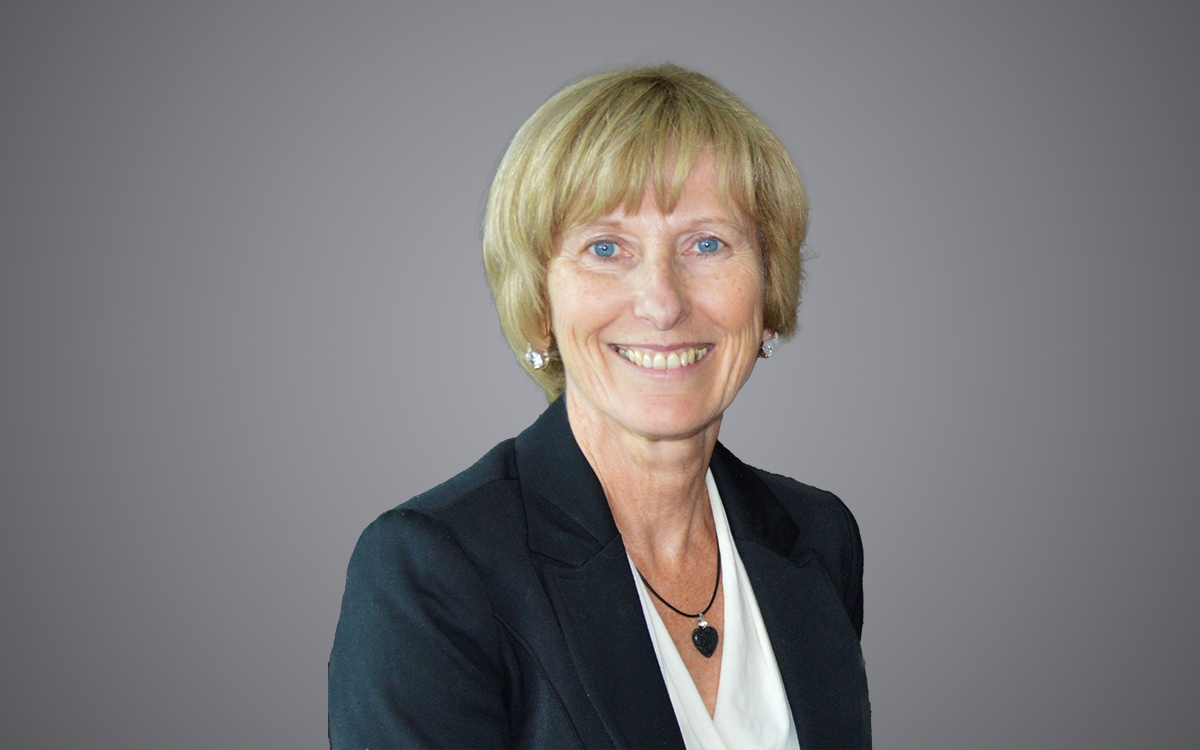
pixel 768 346
pixel 537 360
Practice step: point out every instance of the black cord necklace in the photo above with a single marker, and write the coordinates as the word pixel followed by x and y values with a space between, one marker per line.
pixel 705 636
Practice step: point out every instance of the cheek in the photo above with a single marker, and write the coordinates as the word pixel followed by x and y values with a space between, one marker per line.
pixel 577 307
pixel 559 294
pixel 736 300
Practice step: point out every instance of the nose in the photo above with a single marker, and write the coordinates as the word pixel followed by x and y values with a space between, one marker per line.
pixel 661 295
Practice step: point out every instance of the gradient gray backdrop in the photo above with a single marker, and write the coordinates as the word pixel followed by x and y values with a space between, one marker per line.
pixel 242 312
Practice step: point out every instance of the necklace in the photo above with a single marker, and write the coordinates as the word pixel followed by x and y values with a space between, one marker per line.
pixel 705 636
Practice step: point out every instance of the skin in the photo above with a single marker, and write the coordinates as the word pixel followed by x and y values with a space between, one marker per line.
pixel 649 434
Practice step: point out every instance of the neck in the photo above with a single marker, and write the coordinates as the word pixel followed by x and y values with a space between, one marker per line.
pixel 655 487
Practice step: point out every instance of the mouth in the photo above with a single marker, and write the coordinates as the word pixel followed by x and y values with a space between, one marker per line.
pixel 653 359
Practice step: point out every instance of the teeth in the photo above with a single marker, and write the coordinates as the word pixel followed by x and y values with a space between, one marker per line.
pixel 669 361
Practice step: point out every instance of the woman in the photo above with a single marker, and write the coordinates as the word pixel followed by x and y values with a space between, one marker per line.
pixel 614 576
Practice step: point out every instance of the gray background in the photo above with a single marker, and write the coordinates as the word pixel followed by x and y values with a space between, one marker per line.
pixel 242 312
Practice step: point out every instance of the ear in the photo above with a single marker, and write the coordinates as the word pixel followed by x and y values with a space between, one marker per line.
pixel 767 335
pixel 542 340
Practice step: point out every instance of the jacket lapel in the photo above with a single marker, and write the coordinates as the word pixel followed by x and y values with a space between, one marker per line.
pixel 815 644
pixel 588 581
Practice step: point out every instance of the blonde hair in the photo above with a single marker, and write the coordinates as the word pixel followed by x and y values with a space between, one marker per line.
pixel 598 144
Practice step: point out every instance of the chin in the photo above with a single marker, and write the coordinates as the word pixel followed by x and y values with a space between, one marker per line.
pixel 667 417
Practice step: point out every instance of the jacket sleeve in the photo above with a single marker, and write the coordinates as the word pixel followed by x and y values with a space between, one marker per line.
pixel 417 657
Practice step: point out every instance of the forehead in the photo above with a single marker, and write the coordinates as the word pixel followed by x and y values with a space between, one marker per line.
pixel 702 196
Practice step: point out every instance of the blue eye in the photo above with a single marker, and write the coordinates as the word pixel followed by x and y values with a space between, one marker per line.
pixel 604 249
pixel 709 245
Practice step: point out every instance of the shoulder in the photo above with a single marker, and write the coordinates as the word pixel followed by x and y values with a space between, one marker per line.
pixel 819 514
pixel 473 492
pixel 826 527
pixel 487 477
pixel 462 516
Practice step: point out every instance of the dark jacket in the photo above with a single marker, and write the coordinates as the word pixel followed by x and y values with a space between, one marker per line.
pixel 498 610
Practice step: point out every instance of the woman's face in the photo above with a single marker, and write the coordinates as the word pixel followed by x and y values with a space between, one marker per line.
pixel 658 317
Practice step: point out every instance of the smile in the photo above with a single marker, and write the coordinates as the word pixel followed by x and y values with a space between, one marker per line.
pixel 652 360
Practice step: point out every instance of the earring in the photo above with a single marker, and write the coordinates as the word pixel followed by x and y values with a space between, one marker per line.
pixel 537 360
pixel 768 346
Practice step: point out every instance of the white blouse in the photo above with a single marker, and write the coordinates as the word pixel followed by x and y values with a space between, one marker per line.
pixel 752 708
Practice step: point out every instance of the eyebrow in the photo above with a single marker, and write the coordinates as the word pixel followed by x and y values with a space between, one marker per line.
pixel 736 223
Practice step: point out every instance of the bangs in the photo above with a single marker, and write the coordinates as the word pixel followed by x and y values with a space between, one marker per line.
pixel 645 140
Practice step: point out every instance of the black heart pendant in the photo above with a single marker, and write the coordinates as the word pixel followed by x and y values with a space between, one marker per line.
pixel 705 638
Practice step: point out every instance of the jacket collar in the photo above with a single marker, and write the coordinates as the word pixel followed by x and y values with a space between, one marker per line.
pixel 569 518
pixel 574 522
pixel 754 513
